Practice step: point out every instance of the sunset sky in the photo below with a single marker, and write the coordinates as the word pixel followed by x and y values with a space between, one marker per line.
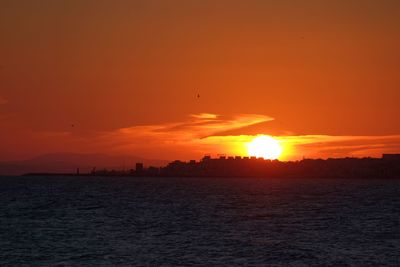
pixel 123 77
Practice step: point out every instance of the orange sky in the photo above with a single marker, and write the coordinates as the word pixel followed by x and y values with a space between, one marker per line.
pixel 321 76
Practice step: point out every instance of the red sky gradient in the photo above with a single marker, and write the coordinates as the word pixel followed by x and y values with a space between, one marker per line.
pixel 323 77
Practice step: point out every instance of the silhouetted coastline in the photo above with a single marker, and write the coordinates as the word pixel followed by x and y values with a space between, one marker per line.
pixel 386 167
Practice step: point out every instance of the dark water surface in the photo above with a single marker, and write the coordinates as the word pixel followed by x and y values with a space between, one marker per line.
pixel 92 221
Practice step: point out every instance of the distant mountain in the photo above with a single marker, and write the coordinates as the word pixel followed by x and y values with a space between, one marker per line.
pixel 69 162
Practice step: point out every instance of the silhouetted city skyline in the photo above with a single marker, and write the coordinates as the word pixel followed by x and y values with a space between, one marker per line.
pixel 388 166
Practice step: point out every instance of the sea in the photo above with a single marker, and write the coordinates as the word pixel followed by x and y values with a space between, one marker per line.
pixel 126 221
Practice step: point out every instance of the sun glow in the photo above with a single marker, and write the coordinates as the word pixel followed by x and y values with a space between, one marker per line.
pixel 264 146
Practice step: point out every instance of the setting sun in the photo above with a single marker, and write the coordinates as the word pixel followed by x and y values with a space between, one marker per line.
pixel 264 147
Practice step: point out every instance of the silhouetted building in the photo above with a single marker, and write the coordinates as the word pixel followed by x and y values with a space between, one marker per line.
pixel 372 168
pixel 206 157
pixel 152 171
pixel 139 167
pixel 391 157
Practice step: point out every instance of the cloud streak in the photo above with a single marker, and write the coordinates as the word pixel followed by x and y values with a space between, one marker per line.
pixel 182 138
pixel 325 146
pixel 196 136
pixel 205 134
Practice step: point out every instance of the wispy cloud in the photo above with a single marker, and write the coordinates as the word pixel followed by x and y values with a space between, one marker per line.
pixel 205 133
pixel 198 135
pixel 183 137
pixel 204 116
pixel 324 146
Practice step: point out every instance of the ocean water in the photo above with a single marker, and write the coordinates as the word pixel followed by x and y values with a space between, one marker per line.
pixel 95 221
